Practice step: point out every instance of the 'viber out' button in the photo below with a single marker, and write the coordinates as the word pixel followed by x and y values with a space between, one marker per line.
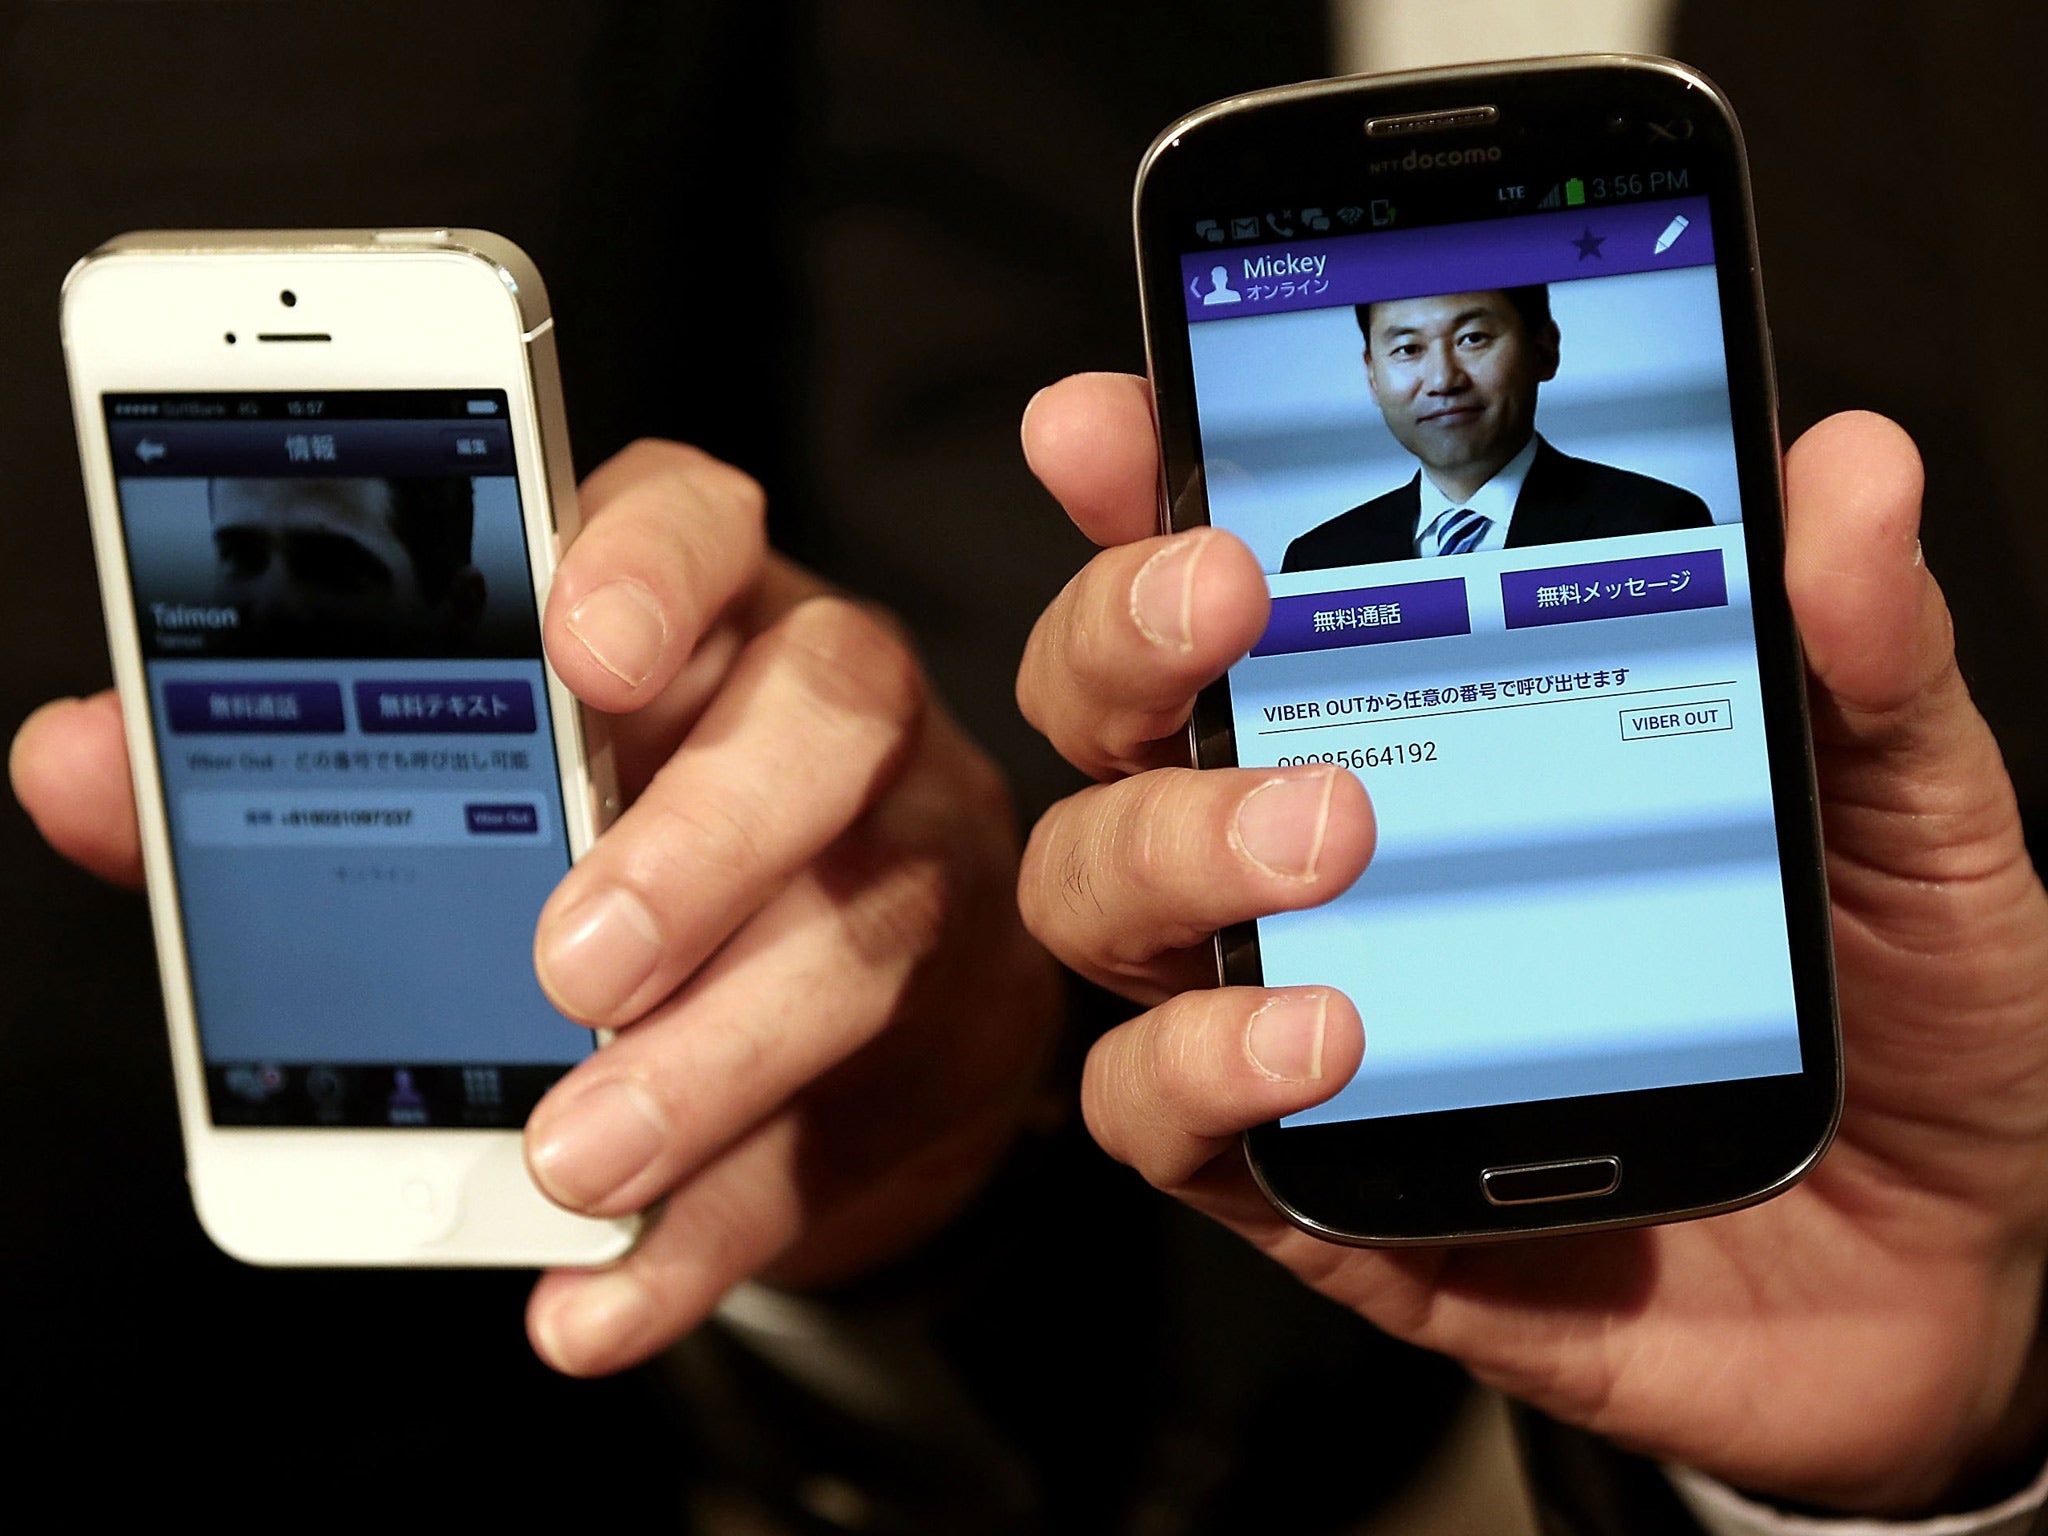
pixel 1687 719
pixel 515 818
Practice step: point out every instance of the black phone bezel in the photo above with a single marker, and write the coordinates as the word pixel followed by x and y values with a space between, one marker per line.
pixel 1683 1151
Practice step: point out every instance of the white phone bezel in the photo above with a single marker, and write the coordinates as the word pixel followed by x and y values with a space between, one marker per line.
pixel 404 309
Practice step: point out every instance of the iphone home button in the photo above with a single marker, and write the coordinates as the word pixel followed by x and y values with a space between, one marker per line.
pixel 426 1205
pixel 1533 1183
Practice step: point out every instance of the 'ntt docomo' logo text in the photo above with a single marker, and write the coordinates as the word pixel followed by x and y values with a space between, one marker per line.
pixel 1438 160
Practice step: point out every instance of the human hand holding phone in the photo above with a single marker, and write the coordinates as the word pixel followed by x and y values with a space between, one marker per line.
pixel 834 1019
pixel 820 869
pixel 1867 1340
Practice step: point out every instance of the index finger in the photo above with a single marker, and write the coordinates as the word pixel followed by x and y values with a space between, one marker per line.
pixel 671 537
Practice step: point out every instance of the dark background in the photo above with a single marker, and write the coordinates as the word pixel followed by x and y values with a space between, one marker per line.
pixel 840 245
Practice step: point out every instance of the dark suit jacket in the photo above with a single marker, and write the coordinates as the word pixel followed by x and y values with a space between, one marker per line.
pixel 1563 498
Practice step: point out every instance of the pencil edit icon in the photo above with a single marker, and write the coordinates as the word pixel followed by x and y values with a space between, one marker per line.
pixel 1670 236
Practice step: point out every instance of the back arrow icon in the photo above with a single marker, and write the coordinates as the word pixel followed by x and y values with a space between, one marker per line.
pixel 149 450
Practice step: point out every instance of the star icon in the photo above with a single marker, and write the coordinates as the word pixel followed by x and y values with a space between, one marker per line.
pixel 1589 244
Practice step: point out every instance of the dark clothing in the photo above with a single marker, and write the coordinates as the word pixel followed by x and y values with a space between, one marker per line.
pixel 1913 177
pixel 1562 499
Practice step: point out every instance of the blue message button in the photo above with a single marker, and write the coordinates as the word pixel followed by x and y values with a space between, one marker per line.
pixel 254 708
pixel 1614 589
pixel 497 706
pixel 1328 621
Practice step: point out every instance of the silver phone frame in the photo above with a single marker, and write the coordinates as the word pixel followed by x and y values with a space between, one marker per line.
pixel 478 1170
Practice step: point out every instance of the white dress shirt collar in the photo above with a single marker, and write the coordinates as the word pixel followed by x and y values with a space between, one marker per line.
pixel 1494 500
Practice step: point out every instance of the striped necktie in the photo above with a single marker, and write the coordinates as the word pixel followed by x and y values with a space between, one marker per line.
pixel 1458 530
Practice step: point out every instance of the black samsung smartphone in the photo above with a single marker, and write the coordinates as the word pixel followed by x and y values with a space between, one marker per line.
pixel 1475 362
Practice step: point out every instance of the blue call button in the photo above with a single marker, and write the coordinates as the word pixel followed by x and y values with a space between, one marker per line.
pixel 1326 621
pixel 251 708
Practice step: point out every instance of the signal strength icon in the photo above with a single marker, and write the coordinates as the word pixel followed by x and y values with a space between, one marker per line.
pixel 1554 198
pixel 1350 216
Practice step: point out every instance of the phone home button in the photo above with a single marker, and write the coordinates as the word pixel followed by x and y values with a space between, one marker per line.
pixel 426 1207
pixel 1533 1183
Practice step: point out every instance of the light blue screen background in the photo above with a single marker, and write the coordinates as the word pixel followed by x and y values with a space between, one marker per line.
pixel 358 948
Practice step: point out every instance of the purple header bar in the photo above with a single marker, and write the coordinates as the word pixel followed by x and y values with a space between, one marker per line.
pixel 313 447
pixel 1329 621
pixel 1448 258
pixel 1614 589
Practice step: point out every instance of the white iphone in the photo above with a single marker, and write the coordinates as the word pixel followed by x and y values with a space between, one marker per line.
pixel 328 480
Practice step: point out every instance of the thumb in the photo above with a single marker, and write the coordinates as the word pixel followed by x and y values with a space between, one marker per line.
pixel 1876 629
pixel 1911 781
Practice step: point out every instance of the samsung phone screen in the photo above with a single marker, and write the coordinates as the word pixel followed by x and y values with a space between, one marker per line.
pixel 343 661
pixel 1490 471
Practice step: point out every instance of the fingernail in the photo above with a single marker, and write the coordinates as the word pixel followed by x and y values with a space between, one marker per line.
pixel 599 1143
pixel 1280 825
pixel 597 954
pixel 1163 595
pixel 597 1322
pixel 1285 1038
pixel 1024 428
pixel 622 626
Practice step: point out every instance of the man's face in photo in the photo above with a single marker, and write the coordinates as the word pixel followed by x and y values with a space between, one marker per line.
pixel 321 561
pixel 1456 376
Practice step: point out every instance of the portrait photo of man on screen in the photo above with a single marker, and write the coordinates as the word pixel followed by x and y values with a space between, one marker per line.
pixel 1456 377
pixel 348 566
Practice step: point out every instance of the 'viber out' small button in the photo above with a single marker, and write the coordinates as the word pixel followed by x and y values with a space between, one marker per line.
pixel 515 818
pixel 1687 719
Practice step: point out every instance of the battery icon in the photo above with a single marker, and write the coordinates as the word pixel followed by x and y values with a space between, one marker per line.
pixel 1574 192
